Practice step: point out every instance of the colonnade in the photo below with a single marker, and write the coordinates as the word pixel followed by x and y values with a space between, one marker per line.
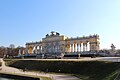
pixel 78 47
pixel 71 47
pixel 37 49
pixel 34 49
pixel 66 47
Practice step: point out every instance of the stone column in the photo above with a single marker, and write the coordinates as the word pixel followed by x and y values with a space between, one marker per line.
pixel 35 49
pixel 71 47
pixel 19 52
pixel 68 47
pixel 41 49
pixel 88 46
pixel 74 47
pixel 78 46
pixel 83 47
pixel 38 49
pixel 23 52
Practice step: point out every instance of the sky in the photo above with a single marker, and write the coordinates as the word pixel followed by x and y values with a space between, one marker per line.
pixel 24 21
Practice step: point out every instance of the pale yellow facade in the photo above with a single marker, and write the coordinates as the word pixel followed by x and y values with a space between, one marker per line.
pixel 56 43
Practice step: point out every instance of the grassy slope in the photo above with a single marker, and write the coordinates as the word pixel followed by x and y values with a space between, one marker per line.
pixel 0 63
pixel 87 70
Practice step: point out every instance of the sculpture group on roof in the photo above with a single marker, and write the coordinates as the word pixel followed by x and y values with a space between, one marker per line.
pixel 53 34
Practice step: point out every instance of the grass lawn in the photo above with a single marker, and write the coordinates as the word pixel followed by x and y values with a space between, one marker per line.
pixel 22 75
pixel 0 64
pixel 86 70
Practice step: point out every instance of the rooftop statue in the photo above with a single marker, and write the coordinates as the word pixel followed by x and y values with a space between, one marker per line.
pixel 113 47
pixel 52 33
pixel 47 35
pixel 57 33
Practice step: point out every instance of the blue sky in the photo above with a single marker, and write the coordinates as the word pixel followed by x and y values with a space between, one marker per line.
pixel 24 21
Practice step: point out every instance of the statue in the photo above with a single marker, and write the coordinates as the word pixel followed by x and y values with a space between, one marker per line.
pixel 52 33
pixel 113 47
pixel 47 35
pixel 57 33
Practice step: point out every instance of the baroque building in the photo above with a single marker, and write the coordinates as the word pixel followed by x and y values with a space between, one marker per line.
pixel 54 43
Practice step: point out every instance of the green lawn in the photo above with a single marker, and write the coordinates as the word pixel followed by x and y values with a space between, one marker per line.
pixel 17 76
pixel 86 70
pixel 0 63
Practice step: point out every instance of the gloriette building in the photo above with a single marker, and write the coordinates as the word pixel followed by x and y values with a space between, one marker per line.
pixel 56 43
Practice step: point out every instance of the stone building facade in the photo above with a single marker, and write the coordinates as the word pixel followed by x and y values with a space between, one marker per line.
pixel 56 43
